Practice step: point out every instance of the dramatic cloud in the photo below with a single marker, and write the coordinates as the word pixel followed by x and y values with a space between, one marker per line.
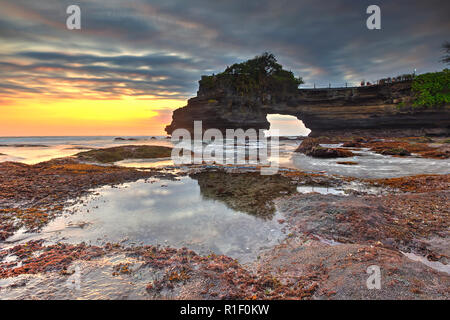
pixel 159 48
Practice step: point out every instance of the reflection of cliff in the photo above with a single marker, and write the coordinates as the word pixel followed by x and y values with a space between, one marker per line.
pixel 251 193
pixel 357 110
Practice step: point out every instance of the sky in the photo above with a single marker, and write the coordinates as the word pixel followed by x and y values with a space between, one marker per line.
pixel 134 61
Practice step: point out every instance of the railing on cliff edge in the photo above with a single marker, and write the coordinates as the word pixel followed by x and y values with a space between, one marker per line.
pixel 344 85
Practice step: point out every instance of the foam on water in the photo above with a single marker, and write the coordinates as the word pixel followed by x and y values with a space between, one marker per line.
pixel 369 164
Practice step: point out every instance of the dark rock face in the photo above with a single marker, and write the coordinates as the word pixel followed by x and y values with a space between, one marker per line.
pixel 322 152
pixel 396 152
pixel 359 111
pixel 311 147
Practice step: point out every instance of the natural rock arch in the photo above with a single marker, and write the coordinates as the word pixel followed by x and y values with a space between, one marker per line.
pixel 356 111
pixel 243 95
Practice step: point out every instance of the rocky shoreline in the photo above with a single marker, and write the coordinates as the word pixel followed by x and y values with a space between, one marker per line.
pixel 31 195
pixel 331 240
pixel 424 147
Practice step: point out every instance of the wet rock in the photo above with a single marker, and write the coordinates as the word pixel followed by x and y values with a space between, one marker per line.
pixel 352 144
pixel 395 152
pixel 340 271
pixel 108 155
pixel 52 258
pixel 42 189
pixel 348 163
pixel 420 183
pixel 402 221
pixel 125 139
pixel 418 146
pixel 322 152
pixel 311 147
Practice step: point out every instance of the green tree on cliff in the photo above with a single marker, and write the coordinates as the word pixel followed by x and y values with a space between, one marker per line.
pixel 432 89
pixel 260 75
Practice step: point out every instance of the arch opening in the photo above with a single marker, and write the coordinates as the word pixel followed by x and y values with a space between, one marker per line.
pixel 286 125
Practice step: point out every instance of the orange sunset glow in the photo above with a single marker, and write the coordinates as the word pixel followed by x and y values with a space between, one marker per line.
pixel 128 116
pixel 131 63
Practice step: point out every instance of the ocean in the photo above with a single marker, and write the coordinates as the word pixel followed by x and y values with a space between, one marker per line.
pixel 32 150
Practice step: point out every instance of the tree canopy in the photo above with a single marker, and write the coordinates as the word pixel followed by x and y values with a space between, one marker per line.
pixel 432 89
pixel 260 75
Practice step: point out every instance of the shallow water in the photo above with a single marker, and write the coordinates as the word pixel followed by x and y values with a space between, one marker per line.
pixel 321 190
pixel 32 150
pixel 145 163
pixel 370 164
pixel 172 213
pixel 90 280
pixel 436 265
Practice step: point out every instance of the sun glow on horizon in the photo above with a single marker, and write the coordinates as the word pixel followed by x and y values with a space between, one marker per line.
pixel 66 117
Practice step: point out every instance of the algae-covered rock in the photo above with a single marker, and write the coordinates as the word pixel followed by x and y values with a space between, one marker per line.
pixel 114 154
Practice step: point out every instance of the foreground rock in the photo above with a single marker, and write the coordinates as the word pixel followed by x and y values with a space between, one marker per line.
pixel 418 146
pixel 146 272
pixel 31 195
pixel 125 139
pixel 332 239
pixel 108 155
pixel 340 271
pixel 301 268
pixel 311 147
pixel 412 222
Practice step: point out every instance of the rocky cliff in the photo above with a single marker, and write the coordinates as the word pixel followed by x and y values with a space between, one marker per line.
pixel 371 110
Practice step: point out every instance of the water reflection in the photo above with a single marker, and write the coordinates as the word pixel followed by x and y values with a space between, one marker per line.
pixel 172 213
pixel 247 192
